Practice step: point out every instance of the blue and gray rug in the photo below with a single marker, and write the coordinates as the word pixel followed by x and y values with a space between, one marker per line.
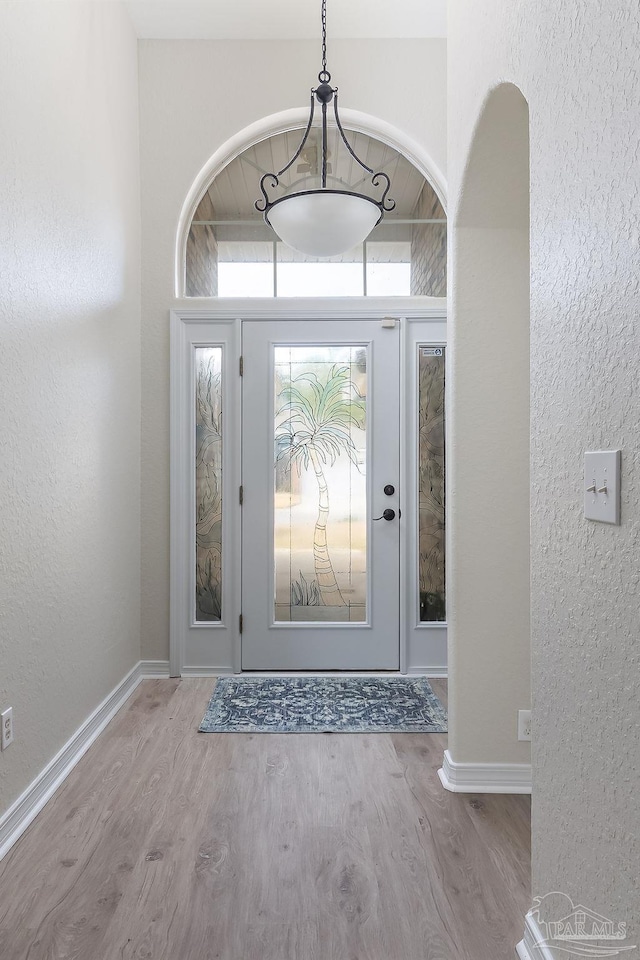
pixel 324 705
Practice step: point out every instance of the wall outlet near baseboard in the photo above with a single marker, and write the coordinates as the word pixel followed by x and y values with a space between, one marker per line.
pixel 6 717
pixel 524 724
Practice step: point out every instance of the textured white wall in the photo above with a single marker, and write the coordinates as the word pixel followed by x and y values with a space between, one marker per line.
pixel 69 371
pixel 577 65
pixel 194 96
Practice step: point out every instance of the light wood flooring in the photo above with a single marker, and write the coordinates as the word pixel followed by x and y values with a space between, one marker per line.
pixel 169 844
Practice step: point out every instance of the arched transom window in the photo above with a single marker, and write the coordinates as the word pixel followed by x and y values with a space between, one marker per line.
pixel 231 252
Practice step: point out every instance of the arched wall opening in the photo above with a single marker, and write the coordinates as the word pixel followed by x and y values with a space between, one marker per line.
pixel 488 451
pixel 281 123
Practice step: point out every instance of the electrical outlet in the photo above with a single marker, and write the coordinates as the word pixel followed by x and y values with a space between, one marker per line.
pixel 524 724
pixel 7 727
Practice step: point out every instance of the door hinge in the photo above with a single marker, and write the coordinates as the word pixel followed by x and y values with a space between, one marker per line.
pixel 241 495
pixel 241 366
pixel 240 622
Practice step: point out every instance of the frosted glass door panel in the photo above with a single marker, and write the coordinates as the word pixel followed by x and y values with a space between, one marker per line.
pixel 431 520
pixel 320 492
pixel 208 478
pixel 320 441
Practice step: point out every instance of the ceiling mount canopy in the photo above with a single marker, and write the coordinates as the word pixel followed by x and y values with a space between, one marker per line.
pixel 324 222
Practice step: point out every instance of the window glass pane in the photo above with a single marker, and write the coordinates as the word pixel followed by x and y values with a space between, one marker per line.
pixel 201 279
pixel 389 262
pixel 429 259
pixel 245 280
pixel 320 533
pixel 302 276
pixel 388 279
pixel 245 264
pixel 208 404
pixel 431 507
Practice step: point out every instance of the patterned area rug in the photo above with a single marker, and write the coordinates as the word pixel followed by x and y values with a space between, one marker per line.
pixel 324 705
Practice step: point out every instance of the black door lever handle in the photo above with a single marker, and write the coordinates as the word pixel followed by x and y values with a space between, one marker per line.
pixel 387 514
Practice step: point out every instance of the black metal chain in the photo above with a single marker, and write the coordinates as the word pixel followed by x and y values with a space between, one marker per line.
pixel 324 36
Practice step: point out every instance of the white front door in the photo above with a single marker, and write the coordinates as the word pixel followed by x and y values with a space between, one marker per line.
pixel 305 562
pixel 320 466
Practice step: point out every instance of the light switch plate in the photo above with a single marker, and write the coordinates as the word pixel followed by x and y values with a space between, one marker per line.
pixel 602 486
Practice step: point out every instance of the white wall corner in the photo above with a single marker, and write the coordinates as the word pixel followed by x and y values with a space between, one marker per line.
pixel 18 817
pixel 533 946
pixel 484 777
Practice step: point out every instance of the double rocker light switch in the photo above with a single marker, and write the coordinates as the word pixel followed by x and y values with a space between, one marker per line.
pixel 602 486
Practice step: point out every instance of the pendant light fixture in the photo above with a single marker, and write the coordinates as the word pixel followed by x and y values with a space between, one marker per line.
pixel 328 221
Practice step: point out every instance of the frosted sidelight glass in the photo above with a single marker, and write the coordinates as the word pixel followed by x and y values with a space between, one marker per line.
pixel 431 516
pixel 208 480
pixel 320 501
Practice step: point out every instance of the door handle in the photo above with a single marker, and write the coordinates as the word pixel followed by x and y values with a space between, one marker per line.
pixel 387 514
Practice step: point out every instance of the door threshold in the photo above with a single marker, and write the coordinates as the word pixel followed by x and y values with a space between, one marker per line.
pixel 321 673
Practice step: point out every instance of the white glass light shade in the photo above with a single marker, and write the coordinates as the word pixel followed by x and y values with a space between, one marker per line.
pixel 323 224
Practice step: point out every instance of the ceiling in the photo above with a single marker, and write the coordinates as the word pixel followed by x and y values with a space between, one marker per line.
pixel 285 19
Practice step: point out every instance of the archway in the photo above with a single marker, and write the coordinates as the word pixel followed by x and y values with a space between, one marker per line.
pixel 488 450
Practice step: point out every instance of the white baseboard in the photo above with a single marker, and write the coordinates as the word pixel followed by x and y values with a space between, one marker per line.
pixel 484 777
pixel 149 669
pixel 431 673
pixel 18 817
pixel 532 946
pixel 207 672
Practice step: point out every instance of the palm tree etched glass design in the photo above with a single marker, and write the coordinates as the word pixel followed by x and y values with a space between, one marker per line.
pixel 320 484
pixel 208 416
pixel 431 528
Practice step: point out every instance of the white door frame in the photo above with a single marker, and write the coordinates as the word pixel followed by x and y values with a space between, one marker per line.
pixel 424 319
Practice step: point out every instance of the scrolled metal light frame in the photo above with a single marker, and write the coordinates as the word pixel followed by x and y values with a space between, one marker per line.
pixel 324 93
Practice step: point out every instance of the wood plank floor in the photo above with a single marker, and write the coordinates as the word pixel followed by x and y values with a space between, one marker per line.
pixel 168 844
